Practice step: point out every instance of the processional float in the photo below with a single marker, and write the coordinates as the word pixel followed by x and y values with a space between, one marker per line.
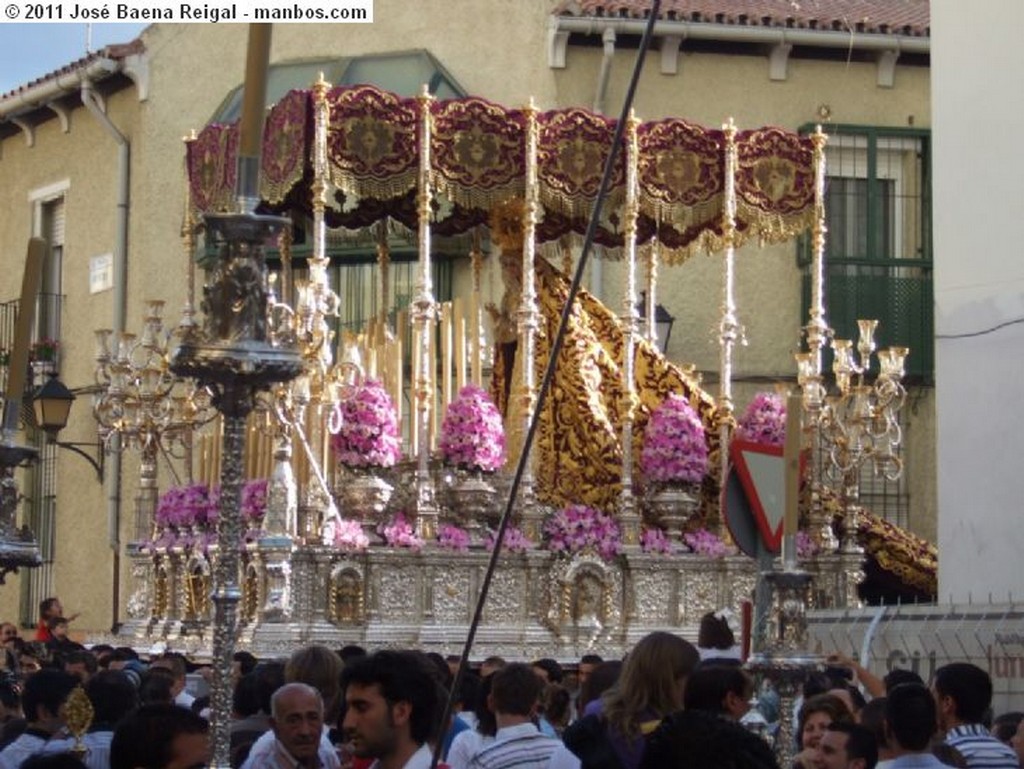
pixel 360 158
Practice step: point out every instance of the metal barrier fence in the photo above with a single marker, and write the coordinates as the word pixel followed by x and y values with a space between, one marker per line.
pixel 925 637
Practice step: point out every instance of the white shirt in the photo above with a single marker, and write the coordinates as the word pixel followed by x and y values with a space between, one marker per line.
pixel 97 745
pixel 466 745
pixel 519 745
pixel 419 760
pixel 278 758
pixel 267 743
pixel 184 699
pixel 563 758
pixel 14 754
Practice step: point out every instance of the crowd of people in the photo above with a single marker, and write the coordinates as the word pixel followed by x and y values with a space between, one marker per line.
pixel 666 704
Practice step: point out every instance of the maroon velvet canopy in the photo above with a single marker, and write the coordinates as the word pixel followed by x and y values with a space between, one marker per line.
pixel 478 159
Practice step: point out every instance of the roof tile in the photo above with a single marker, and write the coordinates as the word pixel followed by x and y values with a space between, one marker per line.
pixel 879 17
pixel 116 51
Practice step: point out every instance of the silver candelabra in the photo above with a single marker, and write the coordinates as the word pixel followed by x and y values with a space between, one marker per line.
pixel 861 421
pixel 144 404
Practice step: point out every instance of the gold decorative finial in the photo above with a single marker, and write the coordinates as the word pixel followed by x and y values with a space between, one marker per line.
pixel 321 86
pixel 78 715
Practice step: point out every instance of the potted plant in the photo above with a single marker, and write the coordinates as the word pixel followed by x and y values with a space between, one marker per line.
pixel 673 461
pixel 472 441
pixel 43 359
pixel 44 350
pixel 364 437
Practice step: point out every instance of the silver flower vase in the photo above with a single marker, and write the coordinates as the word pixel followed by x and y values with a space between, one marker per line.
pixel 472 500
pixel 363 495
pixel 672 507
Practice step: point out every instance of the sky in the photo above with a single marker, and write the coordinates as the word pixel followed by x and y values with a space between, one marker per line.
pixel 28 51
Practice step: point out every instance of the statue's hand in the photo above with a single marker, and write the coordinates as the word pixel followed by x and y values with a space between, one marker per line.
pixel 492 310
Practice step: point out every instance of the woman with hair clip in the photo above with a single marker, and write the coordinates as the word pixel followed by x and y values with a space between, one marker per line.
pixel 716 640
pixel 613 733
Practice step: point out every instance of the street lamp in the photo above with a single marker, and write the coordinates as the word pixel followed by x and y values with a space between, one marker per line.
pixel 663 321
pixel 51 405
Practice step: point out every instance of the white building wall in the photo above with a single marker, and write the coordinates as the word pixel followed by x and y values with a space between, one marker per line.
pixel 978 108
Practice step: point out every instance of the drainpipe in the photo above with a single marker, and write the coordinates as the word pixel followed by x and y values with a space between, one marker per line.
pixel 608 38
pixel 91 102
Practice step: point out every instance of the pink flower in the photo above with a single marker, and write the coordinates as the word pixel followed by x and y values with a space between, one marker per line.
pixel 400 533
pixel 472 433
pixel 764 421
pixel 577 527
pixel 452 537
pixel 254 500
pixel 184 506
pixel 349 535
pixel 514 540
pixel 675 448
pixel 653 540
pixel 368 436
pixel 703 542
pixel 806 547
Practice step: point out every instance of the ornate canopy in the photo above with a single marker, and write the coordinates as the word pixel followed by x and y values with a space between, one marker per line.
pixel 478 149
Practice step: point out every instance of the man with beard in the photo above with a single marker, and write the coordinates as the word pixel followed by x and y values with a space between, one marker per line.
pixel 392 709
pixel 297 720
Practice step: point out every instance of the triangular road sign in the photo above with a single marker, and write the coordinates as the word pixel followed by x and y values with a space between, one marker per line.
pixel 760 469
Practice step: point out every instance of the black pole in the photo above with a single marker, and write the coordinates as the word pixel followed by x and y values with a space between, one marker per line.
pixel 549 372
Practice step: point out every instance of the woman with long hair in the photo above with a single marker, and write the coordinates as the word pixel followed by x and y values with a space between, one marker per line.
pixel 612 735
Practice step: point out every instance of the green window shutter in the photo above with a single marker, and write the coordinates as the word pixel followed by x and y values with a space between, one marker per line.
pixel 878 259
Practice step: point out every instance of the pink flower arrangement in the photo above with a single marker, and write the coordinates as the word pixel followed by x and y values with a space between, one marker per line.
pixel 368 436
pixel 400 533
pixel 674 448
pixel 452 537
pixel 183 506
pixel 764 421
pixel 514 540
pixel 653 540
pixel 472 434
pixel 349 535
pixel 703 542
pixel 806 547
pixel 578 527
pixel 254 500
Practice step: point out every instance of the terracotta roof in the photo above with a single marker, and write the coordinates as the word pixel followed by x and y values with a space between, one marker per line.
pixel 116 52
pixel 879 17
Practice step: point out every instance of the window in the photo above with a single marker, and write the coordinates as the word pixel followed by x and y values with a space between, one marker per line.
pixel 403 73
pixel 878 260
pixel 878 254
pixel 40 488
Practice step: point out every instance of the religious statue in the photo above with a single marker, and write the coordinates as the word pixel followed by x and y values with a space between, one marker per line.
pixel 507 234
pixel 588 607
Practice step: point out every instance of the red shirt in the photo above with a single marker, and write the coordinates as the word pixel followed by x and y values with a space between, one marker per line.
pixel 43 632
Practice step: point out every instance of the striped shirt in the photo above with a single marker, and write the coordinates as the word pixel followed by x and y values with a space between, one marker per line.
pixel 516 747
pixel 980 749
